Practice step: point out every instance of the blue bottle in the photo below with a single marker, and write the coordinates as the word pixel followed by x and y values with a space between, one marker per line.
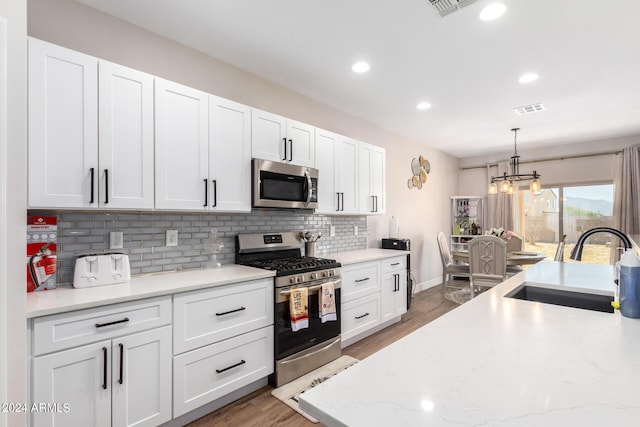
pixel 630 285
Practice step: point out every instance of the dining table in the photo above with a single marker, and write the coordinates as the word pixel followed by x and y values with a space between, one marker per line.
pixel 513 258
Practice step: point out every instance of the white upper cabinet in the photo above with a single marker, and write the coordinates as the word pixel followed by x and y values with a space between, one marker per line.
pixel 229 155
pixel 347 175
pixel 63 127
pixel 90 131
pixel 371 179
pixel 126 137
pixel 280 139
pixel 182 147
pixel 325 163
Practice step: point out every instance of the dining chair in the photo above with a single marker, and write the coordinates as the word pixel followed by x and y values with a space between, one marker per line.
pixel 514 244
pixel 487 262
pixel 560 250
pixel 449 267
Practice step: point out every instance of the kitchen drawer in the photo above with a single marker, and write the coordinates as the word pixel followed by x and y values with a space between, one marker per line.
pixel 393 264
pixel 359 280
pixel 360 315
pixel 66 330
pixel 206 374
pixel 207 316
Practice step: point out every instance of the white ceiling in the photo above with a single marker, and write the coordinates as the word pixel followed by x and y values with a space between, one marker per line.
pixel 587 53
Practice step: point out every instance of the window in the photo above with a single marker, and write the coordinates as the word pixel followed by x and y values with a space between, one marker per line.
pixel 555 211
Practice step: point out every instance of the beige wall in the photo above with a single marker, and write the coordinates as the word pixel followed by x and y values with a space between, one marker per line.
pixel 421 212
pixel 13 192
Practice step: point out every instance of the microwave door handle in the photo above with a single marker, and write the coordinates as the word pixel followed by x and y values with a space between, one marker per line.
pixel 308 184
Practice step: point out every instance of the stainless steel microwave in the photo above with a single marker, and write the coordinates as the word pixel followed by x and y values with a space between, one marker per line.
pixel 282 185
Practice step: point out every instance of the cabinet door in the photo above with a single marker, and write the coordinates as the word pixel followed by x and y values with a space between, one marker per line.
pixel 126 137
pixel 81 378
pixel 301 140
pixel 229 155
pixel 377 179
pixel 182 146
pixel 268 136
pixel 325 163
pixel 366 201
pixel 63 127
pixel 393 295
pixel 141 378
pixel 347 171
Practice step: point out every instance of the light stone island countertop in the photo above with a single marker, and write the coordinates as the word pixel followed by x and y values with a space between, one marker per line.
pixel 497 361
pixel 67 298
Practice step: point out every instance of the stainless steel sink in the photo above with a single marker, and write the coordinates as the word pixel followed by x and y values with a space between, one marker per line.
pixel 564 298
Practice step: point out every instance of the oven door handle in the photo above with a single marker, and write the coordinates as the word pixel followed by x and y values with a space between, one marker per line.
pixel 312 288
pixel 308 183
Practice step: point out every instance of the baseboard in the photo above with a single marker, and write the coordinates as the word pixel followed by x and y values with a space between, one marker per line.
pixel 423 286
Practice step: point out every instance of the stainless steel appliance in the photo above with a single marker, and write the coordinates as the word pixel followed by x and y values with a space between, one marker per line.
pixel 282 185
pixel 296 353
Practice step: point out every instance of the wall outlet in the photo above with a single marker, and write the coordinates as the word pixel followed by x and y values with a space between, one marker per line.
pixel 332 231
pixel 355 230
pixel 115 240
pixel 172 237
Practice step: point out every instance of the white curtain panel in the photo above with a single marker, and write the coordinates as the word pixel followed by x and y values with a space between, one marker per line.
pixel 500 206
pixel 627 191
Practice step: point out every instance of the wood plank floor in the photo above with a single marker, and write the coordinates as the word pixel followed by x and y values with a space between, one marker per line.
pixel 261 409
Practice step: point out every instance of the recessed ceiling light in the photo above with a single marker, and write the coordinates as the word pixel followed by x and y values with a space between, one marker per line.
pixel 527 78
pixel 493 11
pixel 360 67
pixel 423 106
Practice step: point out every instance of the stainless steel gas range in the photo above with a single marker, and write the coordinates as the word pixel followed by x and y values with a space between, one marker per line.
pixel 296 352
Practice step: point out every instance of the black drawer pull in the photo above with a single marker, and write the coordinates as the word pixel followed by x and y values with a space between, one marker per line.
pixel 361 280
pixel 396 263
pixel 362 315
pixel 121 379
pixel 242 362
pixel 104 368
pixel 100 325
pixel 231 311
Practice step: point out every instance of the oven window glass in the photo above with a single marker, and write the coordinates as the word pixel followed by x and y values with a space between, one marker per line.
pixel 277 186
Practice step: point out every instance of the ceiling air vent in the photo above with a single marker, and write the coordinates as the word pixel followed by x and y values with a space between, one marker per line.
pixel 529 109
pixel 445 7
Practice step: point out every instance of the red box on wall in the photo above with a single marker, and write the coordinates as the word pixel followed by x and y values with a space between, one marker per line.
pixel 42 235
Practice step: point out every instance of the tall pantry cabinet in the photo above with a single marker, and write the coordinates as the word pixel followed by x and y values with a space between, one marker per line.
pixel 90 131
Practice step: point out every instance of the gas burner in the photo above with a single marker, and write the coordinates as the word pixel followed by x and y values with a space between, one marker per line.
pixel 293 265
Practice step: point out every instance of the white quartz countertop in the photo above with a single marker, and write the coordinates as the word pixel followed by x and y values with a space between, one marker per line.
pixel 497 361
pixel 66 298
pixel 363 255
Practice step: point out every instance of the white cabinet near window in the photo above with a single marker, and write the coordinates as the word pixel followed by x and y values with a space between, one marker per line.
pixel 371 179
pixel 106 366
pixel 279 139
pixel 203 150
pixel 90 131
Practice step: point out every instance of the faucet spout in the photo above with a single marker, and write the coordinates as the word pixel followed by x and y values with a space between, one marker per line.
pixel 576 253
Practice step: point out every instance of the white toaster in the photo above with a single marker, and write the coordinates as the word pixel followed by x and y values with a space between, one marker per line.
pixel 98 270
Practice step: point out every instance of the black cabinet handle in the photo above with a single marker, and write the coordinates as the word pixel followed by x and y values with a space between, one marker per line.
pixel 104 368
pixel 106 186
pixel 284 140
pixel 376 200
pixel 206 193
pixel 396 263
pixel 338 207
pixel 362 315
pixel 242 362
pixel 231 311
pixel 397 280
pixel 120 380
pixel 361 280
pixel 373 203
pixel 92 182
pixel 100 325
pixel 342 197
pixel 215 193
pixel 291 150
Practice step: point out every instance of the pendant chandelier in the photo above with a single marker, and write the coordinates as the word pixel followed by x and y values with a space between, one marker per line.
pixel 505 182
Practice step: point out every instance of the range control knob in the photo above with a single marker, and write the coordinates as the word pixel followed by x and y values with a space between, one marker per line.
pixel 325 274
pixel 330 273
pixel 314 276
pixel 300 279
pixel 292 279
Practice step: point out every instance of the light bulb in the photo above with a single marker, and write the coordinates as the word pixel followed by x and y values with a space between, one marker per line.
pixel 493 188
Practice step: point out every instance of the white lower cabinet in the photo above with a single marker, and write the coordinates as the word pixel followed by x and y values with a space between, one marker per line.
pixel 360 315
pixel 208 373
pixel 118 382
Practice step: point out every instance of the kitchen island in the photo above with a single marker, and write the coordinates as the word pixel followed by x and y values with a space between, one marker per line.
pixel 498 361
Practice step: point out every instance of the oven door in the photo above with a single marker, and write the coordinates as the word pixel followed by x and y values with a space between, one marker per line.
pixel 288 342
pixel 280 185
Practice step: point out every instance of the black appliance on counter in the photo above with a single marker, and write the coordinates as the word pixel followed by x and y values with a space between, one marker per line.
pixel 402 245
pixel 296 353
